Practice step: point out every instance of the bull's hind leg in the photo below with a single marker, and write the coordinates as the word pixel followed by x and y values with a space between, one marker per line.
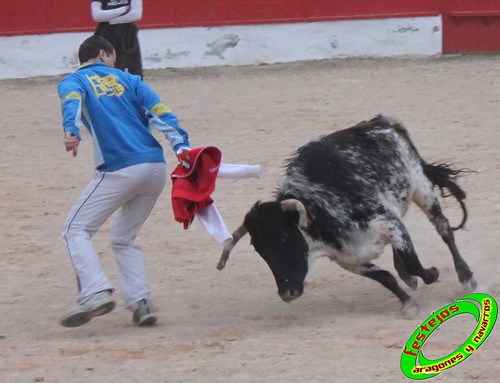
pixel 406 260
pixel 369 270
pixel 410 280
pixel 427 200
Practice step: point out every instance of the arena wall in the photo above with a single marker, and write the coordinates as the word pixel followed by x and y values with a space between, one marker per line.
pixel 40 38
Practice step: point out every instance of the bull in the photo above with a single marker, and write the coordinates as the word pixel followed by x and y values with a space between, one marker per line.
pixel 344 196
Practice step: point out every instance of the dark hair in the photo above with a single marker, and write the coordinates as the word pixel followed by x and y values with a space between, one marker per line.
pixel 90 48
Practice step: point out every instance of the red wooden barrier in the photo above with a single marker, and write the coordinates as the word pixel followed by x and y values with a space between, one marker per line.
pixel 23 17
pixel 471 26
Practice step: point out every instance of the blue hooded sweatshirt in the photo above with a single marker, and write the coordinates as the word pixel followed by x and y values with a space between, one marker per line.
pixel 118 109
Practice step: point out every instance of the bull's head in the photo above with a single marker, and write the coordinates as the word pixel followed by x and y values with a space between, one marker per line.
pixel 274 228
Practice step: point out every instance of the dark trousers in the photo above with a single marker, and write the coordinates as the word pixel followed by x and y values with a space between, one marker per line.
pixel 124 39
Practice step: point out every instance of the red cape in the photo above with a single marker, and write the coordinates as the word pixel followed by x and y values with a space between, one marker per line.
pixel 191 188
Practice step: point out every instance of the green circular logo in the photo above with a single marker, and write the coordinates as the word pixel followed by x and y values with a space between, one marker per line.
pixel 484 309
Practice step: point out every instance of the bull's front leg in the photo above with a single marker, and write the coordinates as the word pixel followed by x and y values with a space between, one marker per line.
pixel 409 307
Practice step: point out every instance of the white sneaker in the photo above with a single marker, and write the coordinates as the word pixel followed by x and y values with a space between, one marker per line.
pixel 86 308
pixel 145 315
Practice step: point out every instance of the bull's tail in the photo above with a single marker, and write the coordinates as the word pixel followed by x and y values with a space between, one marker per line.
pixel 443 176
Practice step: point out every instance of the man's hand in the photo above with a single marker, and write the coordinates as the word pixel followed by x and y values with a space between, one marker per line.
pixel 71 143
pixel 183 156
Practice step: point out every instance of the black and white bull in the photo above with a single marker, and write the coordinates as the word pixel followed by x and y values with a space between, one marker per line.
pixel 344 196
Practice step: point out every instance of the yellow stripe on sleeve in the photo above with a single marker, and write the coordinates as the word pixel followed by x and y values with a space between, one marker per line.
pixel 73 95
pixel 160 109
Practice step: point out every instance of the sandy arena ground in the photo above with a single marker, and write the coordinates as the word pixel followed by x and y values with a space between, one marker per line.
pixel 230 325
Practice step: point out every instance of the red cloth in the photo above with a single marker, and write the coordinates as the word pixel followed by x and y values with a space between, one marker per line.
pixel 191 188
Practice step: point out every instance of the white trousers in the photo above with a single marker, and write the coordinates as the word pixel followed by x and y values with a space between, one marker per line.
pixel 132 192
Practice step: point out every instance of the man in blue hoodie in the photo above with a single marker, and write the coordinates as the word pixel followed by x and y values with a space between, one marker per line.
pixel 119 110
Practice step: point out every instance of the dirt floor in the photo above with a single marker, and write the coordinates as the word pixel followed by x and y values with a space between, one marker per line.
pixel 230 325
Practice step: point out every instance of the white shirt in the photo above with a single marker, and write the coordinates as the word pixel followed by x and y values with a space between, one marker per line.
pixel 117 15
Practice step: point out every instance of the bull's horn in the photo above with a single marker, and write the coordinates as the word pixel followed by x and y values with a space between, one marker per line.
pixel 296 205
pixel 238 233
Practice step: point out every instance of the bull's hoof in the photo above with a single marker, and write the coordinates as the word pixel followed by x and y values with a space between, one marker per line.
pixel 430 275
pixel 290 295
pixel 287 298
pixel 409 309
pixel 470 285
pixel 411 282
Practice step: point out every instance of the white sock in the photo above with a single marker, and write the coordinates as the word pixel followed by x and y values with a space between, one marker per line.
pixel 237 171
pixel 213 223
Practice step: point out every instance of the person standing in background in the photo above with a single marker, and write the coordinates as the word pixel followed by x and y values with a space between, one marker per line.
pixel 116 20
